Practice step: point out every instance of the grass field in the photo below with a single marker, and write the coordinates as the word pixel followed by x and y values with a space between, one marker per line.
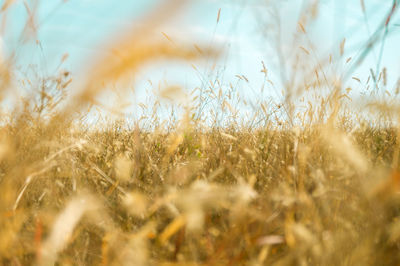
pixel 285 185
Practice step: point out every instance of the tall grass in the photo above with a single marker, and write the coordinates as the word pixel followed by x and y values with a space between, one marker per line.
pixel 283 185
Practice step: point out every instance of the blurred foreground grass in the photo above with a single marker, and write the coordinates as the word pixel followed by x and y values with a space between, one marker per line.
pixel 118 196
pixel 314 187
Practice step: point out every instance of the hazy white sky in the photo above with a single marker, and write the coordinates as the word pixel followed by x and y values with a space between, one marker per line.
pixel 245 30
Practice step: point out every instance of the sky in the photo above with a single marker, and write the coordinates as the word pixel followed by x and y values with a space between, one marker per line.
pixel 245 31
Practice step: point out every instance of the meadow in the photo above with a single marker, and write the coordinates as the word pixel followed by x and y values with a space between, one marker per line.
pixel 313 179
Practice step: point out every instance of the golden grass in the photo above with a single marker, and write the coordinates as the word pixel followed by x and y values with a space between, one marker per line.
pixel 319 187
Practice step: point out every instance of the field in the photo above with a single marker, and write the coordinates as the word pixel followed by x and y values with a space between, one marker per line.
pixel 204 185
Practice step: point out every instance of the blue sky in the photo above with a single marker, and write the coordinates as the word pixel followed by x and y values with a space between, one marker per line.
pixel 79 27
